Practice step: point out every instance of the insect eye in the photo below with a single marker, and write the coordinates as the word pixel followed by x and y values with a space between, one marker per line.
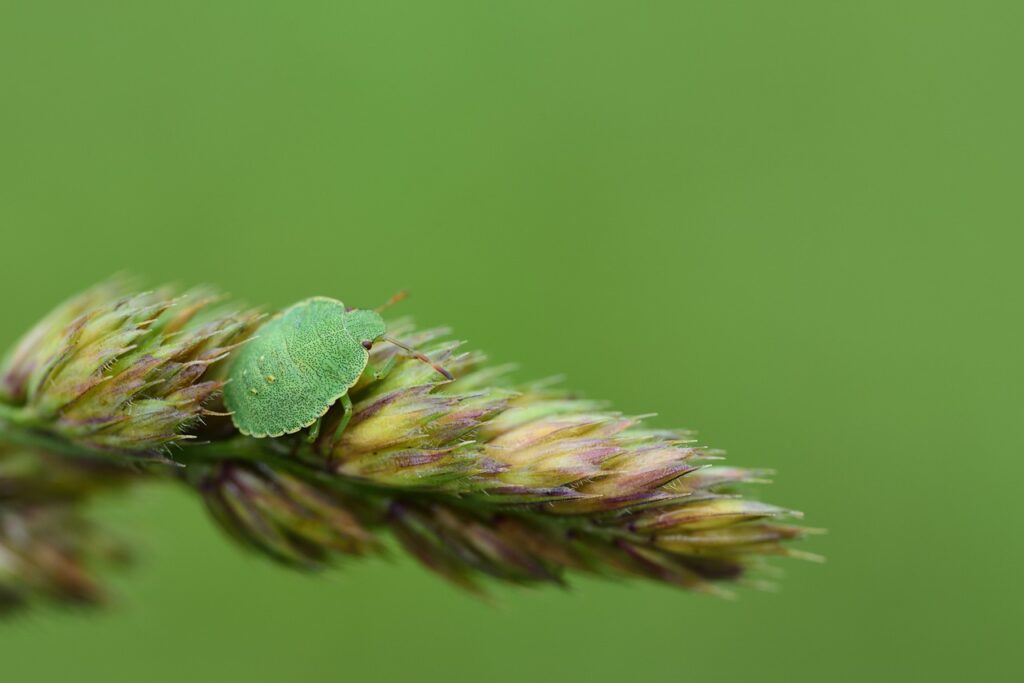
pixel 367 344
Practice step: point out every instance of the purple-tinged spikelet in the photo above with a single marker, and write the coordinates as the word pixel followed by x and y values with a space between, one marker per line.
pixel 130 373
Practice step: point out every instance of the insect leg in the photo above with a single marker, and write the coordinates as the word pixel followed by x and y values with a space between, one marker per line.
pixel 314 431
pixel 382 371
pixel 346 406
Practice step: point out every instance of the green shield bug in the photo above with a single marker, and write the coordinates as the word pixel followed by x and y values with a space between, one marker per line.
pixel 302 362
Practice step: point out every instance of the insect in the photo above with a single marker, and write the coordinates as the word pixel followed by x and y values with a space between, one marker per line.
pixel 303 361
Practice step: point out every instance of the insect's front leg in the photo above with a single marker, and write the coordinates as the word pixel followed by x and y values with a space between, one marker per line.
pixel 381 371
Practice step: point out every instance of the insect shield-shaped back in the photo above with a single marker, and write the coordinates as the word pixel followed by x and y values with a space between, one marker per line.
pixel 299 364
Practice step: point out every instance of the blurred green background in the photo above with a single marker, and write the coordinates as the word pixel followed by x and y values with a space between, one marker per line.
pixel 793 226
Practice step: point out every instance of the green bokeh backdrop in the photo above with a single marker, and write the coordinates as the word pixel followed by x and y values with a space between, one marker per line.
pixel 793 226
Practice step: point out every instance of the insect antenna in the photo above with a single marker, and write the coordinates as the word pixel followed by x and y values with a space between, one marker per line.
pixel 396 298
pixel 419 356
